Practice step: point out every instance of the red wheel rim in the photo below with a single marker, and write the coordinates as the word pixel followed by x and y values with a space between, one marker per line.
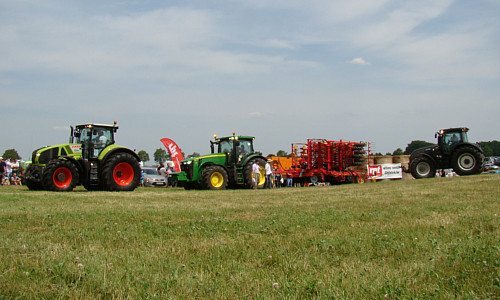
pixel 62 177
pixel 123 174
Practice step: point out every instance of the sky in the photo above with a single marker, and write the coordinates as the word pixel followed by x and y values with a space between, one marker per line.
pixel 382 71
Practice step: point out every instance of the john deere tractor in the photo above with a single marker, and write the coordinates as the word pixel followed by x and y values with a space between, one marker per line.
pixel 228 165
pixel 453 151
pixel 91 159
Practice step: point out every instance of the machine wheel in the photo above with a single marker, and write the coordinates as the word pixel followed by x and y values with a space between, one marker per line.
pixel 34 185
pixel 121 172
pixel 60 176
pixel 248 174
pixel 467 160
pixel 214 178
pixel 31 184
pixel 422 167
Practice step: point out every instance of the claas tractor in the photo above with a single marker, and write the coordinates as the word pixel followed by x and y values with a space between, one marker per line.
pixel 453 151
pixel 228 166
pixel 91 158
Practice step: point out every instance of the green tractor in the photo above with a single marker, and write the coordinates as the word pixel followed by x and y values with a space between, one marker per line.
pixel 453 151
pixel 228 166
pixel 91 159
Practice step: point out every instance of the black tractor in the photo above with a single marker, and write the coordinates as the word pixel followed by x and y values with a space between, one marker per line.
pixel 453 151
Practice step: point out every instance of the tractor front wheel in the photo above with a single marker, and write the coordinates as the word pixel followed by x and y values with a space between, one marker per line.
pixel 60 176
pixel 121 172
pixel 214 178
pixel 467 160
pixel 422 167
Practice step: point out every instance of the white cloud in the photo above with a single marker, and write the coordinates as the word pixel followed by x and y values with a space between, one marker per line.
pixel 255 114
pixel 359 61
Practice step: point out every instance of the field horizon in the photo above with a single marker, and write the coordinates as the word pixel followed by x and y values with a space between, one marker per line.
pixel 427 239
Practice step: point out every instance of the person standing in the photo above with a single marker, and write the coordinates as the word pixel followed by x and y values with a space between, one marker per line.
pixel 269 175
pixel 2 170
pixel 256 174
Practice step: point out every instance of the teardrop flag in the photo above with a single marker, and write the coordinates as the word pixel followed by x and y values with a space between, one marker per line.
pixel 175 153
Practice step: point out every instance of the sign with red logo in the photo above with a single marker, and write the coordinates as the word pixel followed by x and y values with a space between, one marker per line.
pixel 175 153
pixel 385 171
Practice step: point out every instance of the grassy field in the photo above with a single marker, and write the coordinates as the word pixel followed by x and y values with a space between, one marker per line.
pixel 427 239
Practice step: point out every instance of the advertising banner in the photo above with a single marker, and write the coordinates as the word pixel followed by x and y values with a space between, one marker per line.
pixel 175 153
pixel 385 171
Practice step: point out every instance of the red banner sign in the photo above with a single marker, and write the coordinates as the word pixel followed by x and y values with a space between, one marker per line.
pixel 174 151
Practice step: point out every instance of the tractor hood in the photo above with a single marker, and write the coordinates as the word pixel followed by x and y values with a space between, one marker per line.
pixel 420 151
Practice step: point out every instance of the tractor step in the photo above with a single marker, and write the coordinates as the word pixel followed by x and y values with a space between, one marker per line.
pixel 94 175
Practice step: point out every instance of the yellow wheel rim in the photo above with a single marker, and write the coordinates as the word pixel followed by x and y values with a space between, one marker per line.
pixel 216 179
pixel 262 177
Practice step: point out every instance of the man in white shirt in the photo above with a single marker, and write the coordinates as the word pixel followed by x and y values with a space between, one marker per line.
pixel 256 174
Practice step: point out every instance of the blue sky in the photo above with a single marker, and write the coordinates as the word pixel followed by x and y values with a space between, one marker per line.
pixel 382 71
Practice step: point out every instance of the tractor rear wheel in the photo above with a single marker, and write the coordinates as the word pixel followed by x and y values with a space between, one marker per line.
pixel 60 176
pixel 467 160
pixel 121 172
pixel 214 178
pixel 422 167
pixel 248 174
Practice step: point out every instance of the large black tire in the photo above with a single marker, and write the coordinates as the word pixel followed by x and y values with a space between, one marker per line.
pixel 214 178
pixel 248 174
pixel 34 185
pixel 31 184
pixel 60 176
pixel 467 160
pixel 121 172
pixel 422 167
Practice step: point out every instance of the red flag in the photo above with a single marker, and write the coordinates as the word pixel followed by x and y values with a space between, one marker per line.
pixel 175 153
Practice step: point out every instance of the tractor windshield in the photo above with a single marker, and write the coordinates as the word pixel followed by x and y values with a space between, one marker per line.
pixel 226 146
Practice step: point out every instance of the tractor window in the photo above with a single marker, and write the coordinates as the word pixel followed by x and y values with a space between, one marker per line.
pixel 84 136
pixel 245 148
pixel 226 146
pixel 452 138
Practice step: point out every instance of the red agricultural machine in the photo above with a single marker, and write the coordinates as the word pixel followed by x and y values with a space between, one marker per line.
pixel 323 161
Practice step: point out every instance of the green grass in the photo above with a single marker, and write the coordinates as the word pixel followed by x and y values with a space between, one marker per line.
pixel 425 239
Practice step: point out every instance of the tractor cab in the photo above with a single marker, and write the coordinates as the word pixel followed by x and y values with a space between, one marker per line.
pixel 93 138
pixel 235 147
pixel 449 138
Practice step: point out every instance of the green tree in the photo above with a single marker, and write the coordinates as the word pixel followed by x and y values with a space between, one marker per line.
pixel 281 153
pixel 143 155
pixel 398 151
pixel 10 153
pixel 195 154
pixel 491 148
pixel 414 145
pixel 161 156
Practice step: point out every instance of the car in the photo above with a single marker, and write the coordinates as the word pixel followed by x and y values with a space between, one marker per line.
pixel 152 178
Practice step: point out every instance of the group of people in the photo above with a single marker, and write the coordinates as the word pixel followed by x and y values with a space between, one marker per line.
pixel 165 171
pixel 272 179
pixel 9 172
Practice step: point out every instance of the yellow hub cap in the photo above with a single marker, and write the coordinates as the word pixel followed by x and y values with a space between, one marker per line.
pixel 216 179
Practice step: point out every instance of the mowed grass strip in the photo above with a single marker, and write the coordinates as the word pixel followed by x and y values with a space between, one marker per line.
pixel 435 238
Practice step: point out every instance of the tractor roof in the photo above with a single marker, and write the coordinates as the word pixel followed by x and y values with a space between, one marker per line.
pixel 235 137
pixel 458 129
pixel 90 125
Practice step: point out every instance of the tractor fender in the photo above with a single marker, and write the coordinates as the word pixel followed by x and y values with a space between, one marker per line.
pixel 467 144
pixel 252 156
pixel 112 149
